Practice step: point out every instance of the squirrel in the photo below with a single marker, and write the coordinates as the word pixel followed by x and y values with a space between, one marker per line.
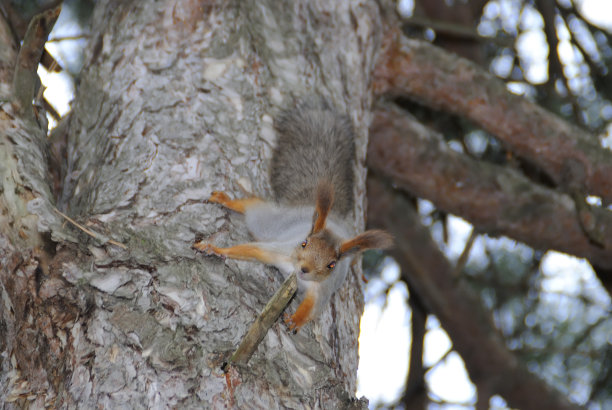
pixel 305 229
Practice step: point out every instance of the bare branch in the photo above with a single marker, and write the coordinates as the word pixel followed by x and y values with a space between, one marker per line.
pixel 415 393
pixel 460 31
pixel 496 199
pixel 460 312
pixel 570 156
pixel 265 320
pixel 555 68
pixel 25 77
pixel 466 253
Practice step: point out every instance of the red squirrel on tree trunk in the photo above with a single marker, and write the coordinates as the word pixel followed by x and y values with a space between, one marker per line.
pixel 306 228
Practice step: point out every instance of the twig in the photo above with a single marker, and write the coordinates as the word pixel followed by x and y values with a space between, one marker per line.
pixel 264 321
pixel 30 53
pixel 587 220
pixel 466 253
pixel 455 30
pixel 77 37
pixel 548 10
pixel 50 110
pixel 91 233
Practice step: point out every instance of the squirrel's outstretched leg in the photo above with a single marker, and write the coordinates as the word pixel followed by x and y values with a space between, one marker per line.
pixel 302 314
pixel 247 251
pixel 238 205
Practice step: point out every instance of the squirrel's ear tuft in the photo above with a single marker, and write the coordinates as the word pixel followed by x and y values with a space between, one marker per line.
pixel 374 239
pixel 324 202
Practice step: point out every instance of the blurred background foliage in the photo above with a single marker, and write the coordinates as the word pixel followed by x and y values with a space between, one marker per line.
pixel 552 309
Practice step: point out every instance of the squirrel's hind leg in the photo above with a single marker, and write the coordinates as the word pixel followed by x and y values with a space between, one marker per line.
pixel 238 205
pixel 247 251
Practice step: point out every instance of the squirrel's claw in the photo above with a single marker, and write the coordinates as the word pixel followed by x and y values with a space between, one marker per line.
pixel 219 197
pixel 207 249
pixel 289 322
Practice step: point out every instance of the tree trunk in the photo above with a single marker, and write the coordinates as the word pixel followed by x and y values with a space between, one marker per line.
pixel 176 99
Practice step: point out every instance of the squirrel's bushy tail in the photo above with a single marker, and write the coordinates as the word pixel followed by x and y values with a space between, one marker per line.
pixel 315 143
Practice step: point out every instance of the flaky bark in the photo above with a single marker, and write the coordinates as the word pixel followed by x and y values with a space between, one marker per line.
pixel 177 99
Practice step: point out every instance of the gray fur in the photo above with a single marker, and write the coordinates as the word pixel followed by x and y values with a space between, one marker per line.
pixel 314 143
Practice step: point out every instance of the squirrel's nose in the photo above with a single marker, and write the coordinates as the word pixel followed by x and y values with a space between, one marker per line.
pixel 304 269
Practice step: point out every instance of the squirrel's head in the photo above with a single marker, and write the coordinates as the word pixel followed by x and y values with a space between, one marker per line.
pixel 319 253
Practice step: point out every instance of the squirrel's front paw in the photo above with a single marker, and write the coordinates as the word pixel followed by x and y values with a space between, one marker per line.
pixel 291 323
pixel 207 248
pixel 219 197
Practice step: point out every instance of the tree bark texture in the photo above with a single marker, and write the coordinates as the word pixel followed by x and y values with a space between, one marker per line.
pixel 176 99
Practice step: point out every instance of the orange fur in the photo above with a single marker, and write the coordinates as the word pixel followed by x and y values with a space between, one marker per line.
pixel 325 200
pixel 245 251
pixel 302 314
pixel 373 239
pixel 238 205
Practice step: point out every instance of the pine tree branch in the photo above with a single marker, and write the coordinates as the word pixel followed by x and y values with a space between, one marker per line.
pixel 468 324
pixel 496 199
pixel 571 157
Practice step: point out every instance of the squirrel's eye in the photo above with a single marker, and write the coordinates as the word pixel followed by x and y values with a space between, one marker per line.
pixel 331 265
pixel 304 244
